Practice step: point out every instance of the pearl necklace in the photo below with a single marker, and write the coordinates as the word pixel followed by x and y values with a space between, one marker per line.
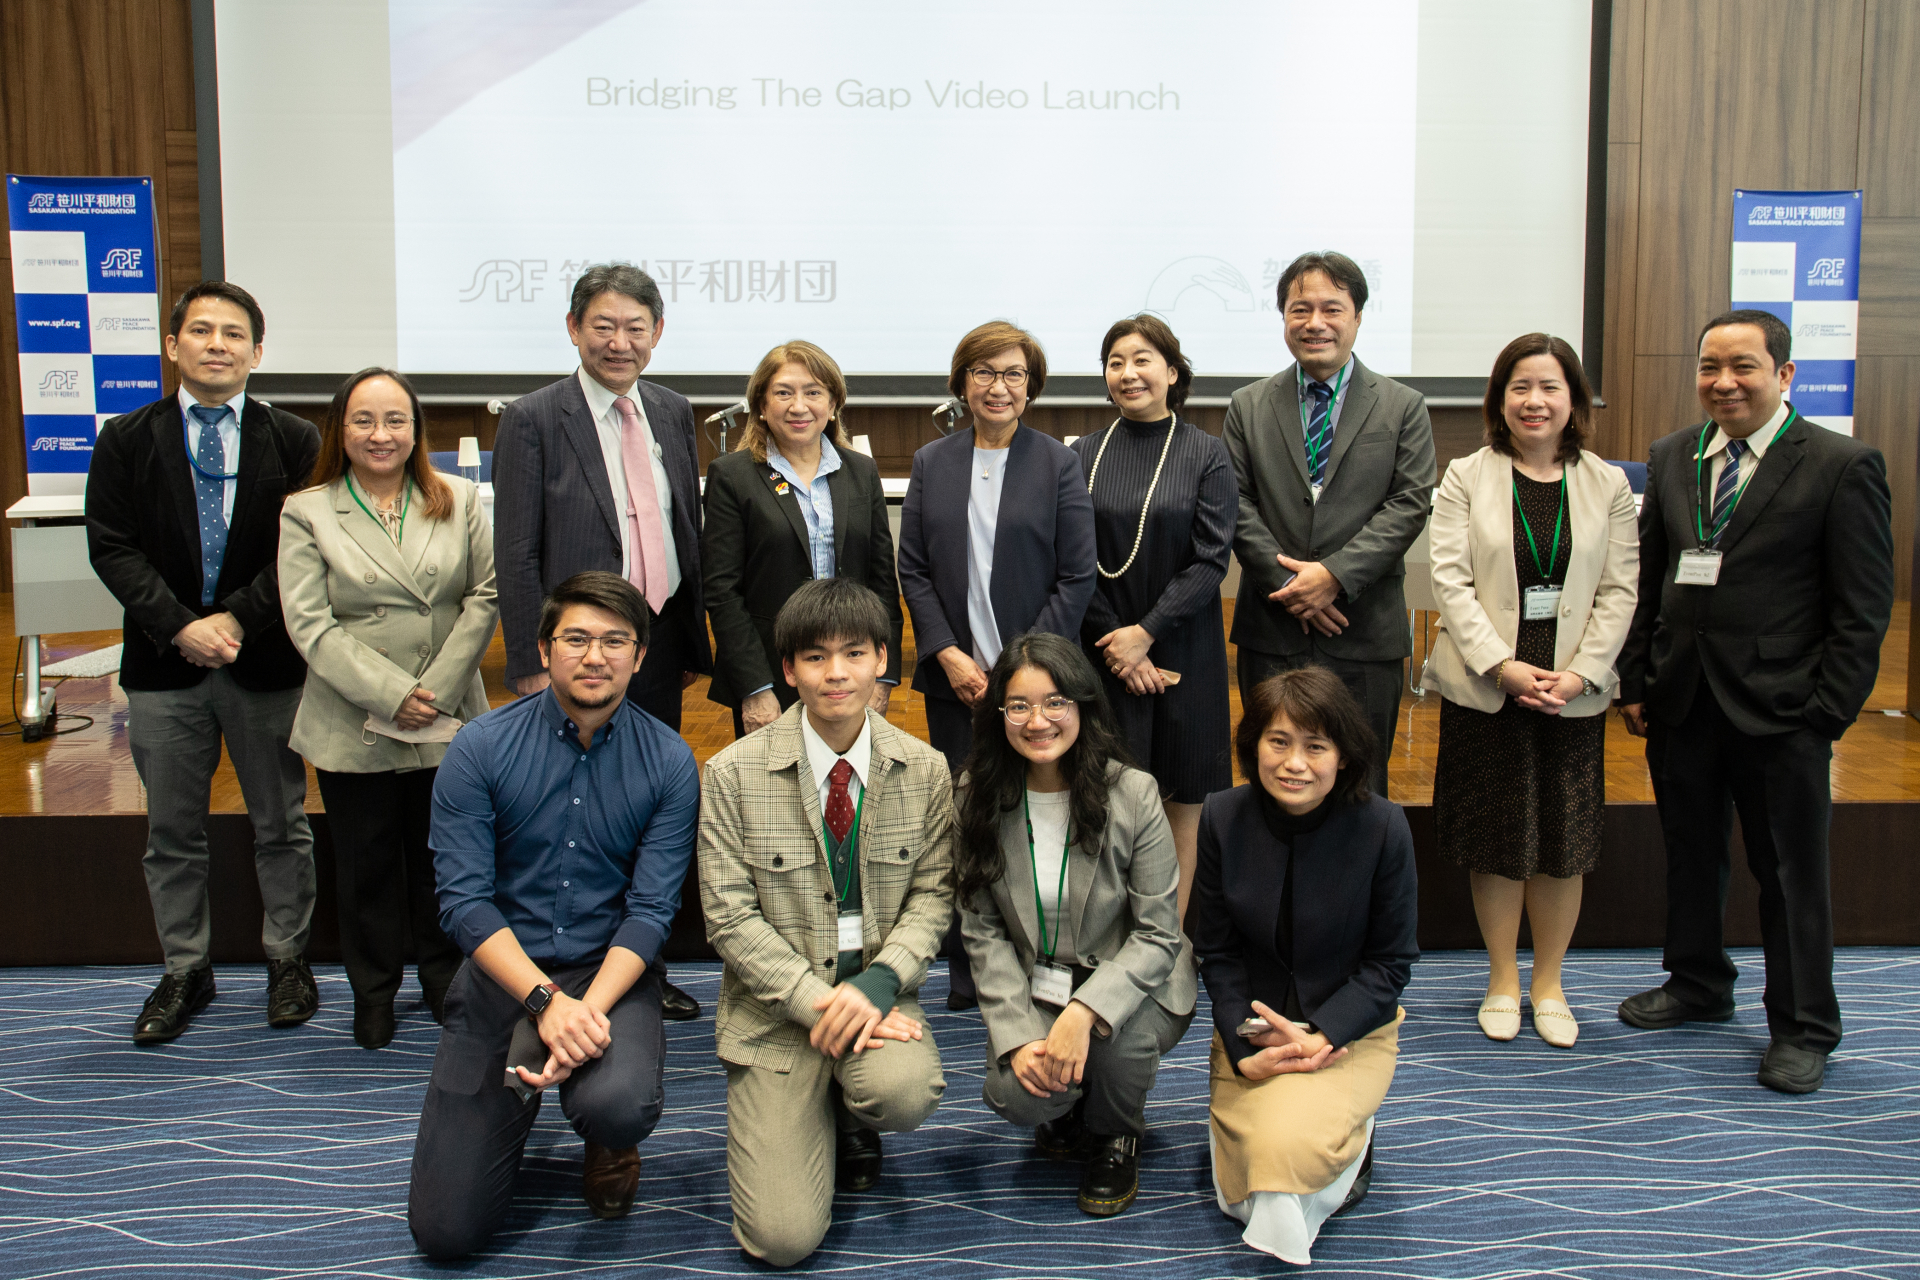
pixel 1140 533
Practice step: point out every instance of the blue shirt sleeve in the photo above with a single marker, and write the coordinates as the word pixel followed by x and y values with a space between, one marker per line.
pixel 666 850
pixel 462 844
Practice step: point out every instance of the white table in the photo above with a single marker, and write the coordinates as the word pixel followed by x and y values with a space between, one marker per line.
pixel 54 590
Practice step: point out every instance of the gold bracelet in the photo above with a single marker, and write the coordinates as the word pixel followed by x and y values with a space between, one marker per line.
pixel 1498 670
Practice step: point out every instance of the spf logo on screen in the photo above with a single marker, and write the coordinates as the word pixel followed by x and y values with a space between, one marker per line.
pixel 121 262
pixel 507 279
pixel 1828 271
pixel 61 382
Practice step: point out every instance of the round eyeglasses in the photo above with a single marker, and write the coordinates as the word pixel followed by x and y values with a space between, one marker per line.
pixel 1055 708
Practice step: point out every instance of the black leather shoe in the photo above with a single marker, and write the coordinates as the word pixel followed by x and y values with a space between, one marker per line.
pixel 960 1002
pixel 676 1005
pixel 373 1025
pixel 1111 1177
pixel 1659 1009
pixel 436 1002
pixel 1790 1069
pixel 172 1005
pixel 1062 1139
pixel 608 1180
pixel 291 996
pixel 1362 1183
pixel 856 1159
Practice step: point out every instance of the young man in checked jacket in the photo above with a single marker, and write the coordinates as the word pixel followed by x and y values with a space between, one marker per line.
pixel 825 847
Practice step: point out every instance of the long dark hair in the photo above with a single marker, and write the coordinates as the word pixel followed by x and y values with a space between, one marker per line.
pixel 997 774
pixel 331 463
pixel 1494 408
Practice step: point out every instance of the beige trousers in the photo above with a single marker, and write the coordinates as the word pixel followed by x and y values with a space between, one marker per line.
pixel 780 1133
pixel 1298 1132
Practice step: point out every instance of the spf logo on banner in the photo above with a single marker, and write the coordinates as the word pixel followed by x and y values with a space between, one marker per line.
pixel 86 286
pixel 1797 254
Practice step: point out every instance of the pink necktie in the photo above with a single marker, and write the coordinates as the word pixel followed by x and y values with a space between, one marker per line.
pixel 646 545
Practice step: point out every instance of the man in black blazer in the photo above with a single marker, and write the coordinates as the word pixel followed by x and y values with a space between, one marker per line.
pixel 1336 474
pixel 1766 584
pixel 183 526
pixel 563 502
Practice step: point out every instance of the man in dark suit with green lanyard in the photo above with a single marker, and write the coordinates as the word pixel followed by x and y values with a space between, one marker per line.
pixel 1766 585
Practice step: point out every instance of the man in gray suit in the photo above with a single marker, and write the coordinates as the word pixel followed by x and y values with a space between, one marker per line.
pixel 1336 473
pixel 565 463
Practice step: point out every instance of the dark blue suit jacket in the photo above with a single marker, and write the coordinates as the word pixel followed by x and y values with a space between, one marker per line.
pixel 553 511
pixel 1355 916
pixel 1043 547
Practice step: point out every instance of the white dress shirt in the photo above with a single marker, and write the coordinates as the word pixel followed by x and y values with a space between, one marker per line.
pixel 1717 455
pixel 988 478
pixel 229 429
pixel 606 419
pixel 821 758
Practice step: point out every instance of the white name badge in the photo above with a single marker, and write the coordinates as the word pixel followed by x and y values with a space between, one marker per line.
pixel 850 932
pixel 1052 984
pixel 1698 569
pixel 1540 602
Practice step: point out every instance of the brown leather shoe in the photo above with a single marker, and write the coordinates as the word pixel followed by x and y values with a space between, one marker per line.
pixel 609 1180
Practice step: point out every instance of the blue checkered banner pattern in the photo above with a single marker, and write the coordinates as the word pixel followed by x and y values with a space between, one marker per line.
pixel 86 286
pixel 1797 254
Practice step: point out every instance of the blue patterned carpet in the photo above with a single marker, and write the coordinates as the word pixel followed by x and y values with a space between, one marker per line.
pixel 247 1153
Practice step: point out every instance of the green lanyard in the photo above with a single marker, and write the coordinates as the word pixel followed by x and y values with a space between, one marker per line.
pixel 1033 864
pixel 1699 469
pixel 847 847
pixel 406 500
pixel 1313 455
pixel 1553 556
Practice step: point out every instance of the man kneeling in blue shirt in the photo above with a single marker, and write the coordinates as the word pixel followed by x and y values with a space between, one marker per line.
pixel 562 829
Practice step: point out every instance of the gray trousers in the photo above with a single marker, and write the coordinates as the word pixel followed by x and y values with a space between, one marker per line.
pixel 175 736
pixel 781 1133
pixel 1375 684
pixel 1120 1072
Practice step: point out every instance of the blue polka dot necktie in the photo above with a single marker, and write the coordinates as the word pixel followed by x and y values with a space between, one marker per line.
pixel 1319 431
pixel 209 492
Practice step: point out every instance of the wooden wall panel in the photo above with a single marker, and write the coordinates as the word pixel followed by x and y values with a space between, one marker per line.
pixel 1890 110
pixel 1886 414
pixel 1890 286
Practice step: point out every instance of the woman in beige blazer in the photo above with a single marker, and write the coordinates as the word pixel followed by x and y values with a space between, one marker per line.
pixel 1067 882
pixel 386 579
pixel 1535 563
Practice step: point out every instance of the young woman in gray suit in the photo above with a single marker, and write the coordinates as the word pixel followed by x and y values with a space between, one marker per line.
pixel 386 580
pixel 793 502
pixel 1066 883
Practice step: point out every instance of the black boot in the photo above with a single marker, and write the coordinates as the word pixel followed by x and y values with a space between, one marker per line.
pixel 172 1005
pixel 373 1024
pixel 292 997
pixel 1111 1176
pixel 1358 1191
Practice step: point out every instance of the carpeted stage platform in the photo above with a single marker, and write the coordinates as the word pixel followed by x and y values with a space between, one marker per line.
pixel 239 1153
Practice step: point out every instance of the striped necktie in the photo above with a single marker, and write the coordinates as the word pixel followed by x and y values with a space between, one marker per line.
pixel 1319 431
pixel 1728 489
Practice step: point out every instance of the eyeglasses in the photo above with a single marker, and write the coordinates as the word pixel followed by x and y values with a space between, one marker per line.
pixel 984 378
pixel 365 422
pixel 1055 708
pixel 575 643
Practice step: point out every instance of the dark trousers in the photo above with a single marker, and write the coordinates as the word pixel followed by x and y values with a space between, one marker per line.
pixel 950 730
pixel 1704 771
pixel 656 687
pixel 383 875
pixel 1375 684
pixel 473 1127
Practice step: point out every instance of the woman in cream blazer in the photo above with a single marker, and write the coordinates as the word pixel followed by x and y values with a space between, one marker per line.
pixel 386 579
pixel 1085 980
pixel 1535 563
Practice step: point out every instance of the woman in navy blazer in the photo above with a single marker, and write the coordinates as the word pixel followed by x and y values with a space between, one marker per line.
pixel 996 536
pixel 1302 919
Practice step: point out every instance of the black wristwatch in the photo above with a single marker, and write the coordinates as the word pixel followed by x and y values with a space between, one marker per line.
pixel 540 997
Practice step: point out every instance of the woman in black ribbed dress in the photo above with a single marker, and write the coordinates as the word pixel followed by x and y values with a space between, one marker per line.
pixel 1164 504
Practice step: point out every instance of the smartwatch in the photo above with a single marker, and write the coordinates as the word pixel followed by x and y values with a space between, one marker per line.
pixel 540 997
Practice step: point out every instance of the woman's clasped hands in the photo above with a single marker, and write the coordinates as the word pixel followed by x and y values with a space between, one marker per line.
pixel 1286 1046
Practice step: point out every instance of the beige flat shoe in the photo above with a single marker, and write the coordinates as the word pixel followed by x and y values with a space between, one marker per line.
pixel 1554 1023
pixel 1500 1017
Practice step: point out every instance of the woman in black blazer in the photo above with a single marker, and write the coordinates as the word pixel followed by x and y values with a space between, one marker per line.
pixel 794 501
pixel 1303 922
pixel 1001 488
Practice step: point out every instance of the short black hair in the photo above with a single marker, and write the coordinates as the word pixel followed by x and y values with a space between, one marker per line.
pixel 1779 338
pixel 597 589
pixel 1158 334
pixel 830 609
pixel 616 277
pixel 1342 270
pixel 1317 701
pixel 226 291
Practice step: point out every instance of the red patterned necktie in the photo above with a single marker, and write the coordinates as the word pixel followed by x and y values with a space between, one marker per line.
pixel 839 814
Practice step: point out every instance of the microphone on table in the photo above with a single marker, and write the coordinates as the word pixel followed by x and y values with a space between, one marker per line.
pixel 952 410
